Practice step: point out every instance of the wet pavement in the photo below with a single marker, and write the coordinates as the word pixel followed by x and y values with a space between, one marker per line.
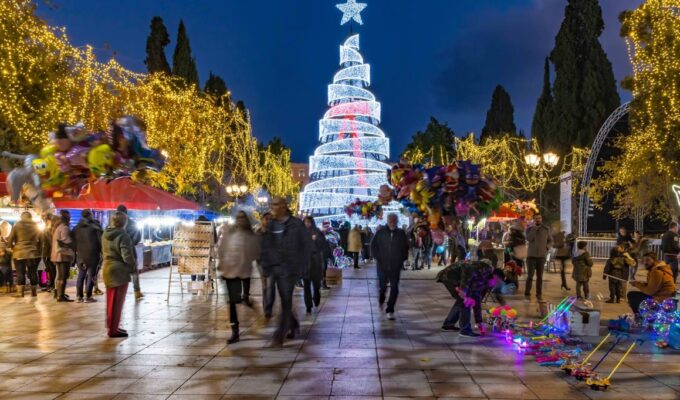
pixel 347 349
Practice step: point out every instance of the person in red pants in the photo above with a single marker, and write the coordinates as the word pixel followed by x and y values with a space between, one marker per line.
pixel 118 264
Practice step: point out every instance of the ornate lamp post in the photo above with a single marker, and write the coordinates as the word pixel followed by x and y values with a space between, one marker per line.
pixel 236 191
pixel 542 164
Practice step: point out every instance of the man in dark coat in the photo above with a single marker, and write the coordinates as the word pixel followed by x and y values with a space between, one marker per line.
pixel 390 249
pixel 136 237
pixel 670 248
pixel 312 275
pixel 88 237
pixel 285 254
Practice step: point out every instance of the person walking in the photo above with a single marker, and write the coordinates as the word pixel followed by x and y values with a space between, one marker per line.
pixel 268 286
pixel 23 239
pixel 135 237
pixel 237 248
pixel 582 270
pixel 285 249
pixel 670 248
pixel 117 268
pixel 390 249
pixel 562 254
pixel 88 237
pixel 539 239
pixel 354 244
pixel 63 254
pixel 312 275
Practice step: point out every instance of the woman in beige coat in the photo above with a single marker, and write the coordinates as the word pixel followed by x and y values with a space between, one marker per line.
pixel 238 248
pixel 62 254
pixel 354 244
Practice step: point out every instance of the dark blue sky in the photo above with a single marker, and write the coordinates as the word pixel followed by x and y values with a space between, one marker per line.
pixel 438 58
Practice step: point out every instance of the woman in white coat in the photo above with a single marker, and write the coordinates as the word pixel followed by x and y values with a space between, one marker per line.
pixel 238 247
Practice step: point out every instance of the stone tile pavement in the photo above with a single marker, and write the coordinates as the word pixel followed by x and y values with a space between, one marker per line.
pixel 347 350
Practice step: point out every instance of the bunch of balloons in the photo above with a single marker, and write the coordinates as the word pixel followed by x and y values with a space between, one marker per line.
pixel 333 238
pixel 75 156
pixel 364 209
pixel 660 317
pixel 457 189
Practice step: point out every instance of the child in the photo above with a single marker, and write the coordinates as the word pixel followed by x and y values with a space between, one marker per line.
pixel 583 265
pixel 617 266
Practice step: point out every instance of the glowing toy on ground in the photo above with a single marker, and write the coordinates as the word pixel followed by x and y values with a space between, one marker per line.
pixel 597 383
pixel 350 162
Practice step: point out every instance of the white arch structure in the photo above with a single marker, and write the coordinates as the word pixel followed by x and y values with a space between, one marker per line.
pixel 601 137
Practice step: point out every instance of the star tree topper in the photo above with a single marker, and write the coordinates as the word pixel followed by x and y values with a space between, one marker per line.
pixel 351 10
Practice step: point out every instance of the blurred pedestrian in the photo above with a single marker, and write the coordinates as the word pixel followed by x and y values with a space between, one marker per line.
pixel 268 285
pixel 238 249
pixel 49 221
pixel 285 255
pixel 670 248
pixel 562 254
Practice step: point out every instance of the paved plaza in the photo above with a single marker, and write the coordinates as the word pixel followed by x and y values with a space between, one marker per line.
pixel 347 349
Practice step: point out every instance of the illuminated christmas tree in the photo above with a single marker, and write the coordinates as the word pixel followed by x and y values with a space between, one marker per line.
pixel 349 162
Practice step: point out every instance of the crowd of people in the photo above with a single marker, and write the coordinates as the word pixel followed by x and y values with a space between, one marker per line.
pixel 288 251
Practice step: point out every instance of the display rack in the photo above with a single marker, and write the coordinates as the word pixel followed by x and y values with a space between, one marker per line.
pixel 192 254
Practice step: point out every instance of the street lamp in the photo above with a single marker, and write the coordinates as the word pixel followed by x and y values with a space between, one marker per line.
pixel 542 164
pixel 236 191
pixel 262 202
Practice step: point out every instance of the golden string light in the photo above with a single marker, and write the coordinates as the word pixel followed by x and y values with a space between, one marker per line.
pixel 45 80
pixel 503 159
pixel 649 160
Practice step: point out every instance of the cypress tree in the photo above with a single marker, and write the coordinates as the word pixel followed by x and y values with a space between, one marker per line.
pixel 500 118
pixel 585 89
pixel 216 87
pixel 183 64
pixel 155 47
pixel 541 126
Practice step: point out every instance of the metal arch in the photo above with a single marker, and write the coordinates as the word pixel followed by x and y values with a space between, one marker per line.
pixel 602 134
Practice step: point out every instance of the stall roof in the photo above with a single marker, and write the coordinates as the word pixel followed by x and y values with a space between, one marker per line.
pixel 107 195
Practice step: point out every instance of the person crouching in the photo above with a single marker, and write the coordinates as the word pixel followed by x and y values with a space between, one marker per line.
pixel 467 282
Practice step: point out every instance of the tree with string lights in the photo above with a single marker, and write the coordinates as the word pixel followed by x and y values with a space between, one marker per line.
pixel 641 176
pixel 350 161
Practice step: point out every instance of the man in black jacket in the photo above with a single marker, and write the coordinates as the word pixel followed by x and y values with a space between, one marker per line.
pixel 88 237
pixel 285 254
pixel 390 249
pixel 670 248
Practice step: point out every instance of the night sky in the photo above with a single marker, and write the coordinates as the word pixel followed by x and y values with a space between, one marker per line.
pixel 440 60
